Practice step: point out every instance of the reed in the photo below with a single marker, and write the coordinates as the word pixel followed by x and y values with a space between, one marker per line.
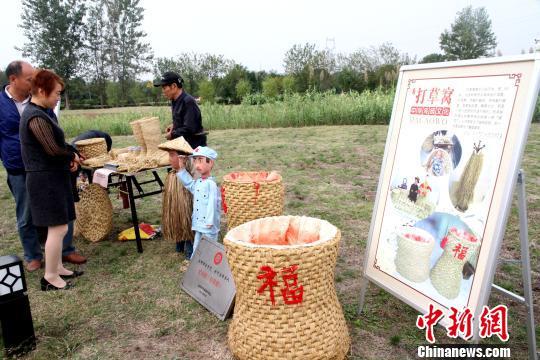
pixel 295 110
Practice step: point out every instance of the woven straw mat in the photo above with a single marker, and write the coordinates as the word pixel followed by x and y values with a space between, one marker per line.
pixel 94 213
pixel 312 329
pixel 90 148
pixel 250 200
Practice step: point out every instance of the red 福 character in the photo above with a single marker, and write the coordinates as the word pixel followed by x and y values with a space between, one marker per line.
pixel 292 293
pixel 494 322
pixel 462 323
pixel 268 276
pixel 428 321
pixel 460 251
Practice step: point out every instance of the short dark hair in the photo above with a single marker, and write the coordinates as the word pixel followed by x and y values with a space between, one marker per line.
pixel 14 68
pixel 45 79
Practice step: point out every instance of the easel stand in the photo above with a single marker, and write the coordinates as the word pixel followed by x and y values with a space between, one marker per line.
pixel 527 299
pixel 525 260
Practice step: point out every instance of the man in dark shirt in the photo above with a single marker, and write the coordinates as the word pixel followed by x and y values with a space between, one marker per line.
pixel 187 120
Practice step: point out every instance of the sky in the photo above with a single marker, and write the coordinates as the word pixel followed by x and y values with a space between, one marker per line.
pixel 257 33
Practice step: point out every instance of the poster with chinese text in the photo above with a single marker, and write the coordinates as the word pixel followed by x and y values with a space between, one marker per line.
pixel 453 149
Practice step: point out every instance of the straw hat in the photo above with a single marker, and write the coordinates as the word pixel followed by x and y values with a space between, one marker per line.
pixel 178 144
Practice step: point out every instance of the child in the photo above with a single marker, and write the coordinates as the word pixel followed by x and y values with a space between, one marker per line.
pixel 206 197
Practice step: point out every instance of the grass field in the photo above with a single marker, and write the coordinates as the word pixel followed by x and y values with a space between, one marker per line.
pixel 130 305
pixel 369 107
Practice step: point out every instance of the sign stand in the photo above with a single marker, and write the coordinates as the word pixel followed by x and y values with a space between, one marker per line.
pixel 527 299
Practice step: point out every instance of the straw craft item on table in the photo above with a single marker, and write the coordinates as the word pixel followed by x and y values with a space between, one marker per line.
pixel 90 148
pixel 251 195
pixel 147 132
pixel 459 246
pixel 94 151
pixel 176 210
pixel 414 251
pixel 94 213
pixel 305 320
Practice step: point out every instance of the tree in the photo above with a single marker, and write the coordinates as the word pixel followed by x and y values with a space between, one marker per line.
pixel 98 54
pixel 129 55
pixel 271 87
pixel 311 68
pixel 243 88
pixel 227 88
pixel 207 92
pixel 288 83
pixel 54 34
pixel 470 36
pixel 432 58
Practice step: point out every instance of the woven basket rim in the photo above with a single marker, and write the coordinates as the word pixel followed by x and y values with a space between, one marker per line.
pixel 417 231
pixel 252 174
pixel 90 141
pixel 327 233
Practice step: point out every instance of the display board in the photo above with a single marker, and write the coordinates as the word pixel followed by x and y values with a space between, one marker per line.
pixel 454 146
pixel 209 280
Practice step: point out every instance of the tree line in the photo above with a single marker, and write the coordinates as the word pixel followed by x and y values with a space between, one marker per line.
pixel 100 49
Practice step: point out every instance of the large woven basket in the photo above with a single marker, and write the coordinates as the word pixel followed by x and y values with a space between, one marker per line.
pixel 414 250
pixel 313 328
pixel 90 148
pixel 248 196
pixel 94 213
pixel 446 275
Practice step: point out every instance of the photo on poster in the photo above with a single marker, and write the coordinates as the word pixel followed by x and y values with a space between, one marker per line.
pixel 446 179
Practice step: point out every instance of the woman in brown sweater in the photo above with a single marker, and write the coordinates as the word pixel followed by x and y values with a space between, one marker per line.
pixel 48 161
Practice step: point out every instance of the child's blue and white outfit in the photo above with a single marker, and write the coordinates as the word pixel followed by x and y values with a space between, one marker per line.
pixel 206 201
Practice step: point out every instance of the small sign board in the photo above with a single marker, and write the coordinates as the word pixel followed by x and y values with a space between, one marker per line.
pixel 209 280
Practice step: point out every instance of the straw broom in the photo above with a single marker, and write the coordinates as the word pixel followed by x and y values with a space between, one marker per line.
pixel 469 178
pixel 177 210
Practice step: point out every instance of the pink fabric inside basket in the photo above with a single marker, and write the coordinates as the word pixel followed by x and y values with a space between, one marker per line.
pixel 295 230
pixel 252 176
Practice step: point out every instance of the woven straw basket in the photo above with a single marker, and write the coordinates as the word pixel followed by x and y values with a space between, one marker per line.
pixel 94 213
pixel 90 148
pixel 247 196
pixel 313 328
pixel 412 258
pixel 447 273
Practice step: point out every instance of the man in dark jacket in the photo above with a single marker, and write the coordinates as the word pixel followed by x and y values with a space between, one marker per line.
pixel 187 120
pixel 13 100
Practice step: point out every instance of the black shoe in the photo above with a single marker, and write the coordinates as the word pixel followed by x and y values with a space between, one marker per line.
pixel 74 275
pixel 47 286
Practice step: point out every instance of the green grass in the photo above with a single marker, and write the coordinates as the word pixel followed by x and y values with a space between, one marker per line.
pixel 130 305
pixel 369 107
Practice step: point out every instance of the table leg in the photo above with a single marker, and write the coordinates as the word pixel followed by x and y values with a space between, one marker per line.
pixel 134 218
